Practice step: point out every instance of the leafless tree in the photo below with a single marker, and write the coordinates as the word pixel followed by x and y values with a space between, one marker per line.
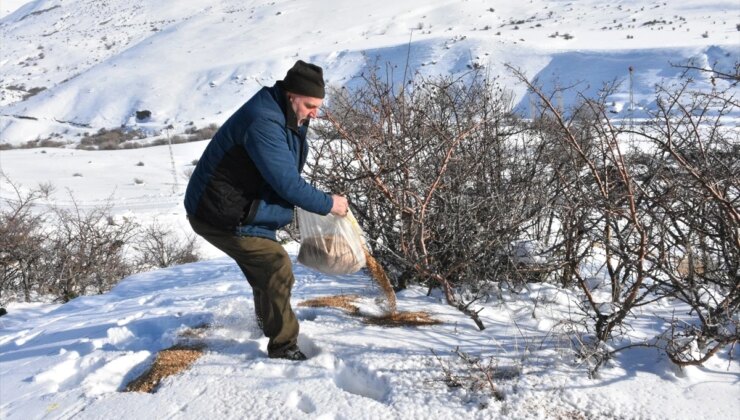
pixel 696 167
pixel 663 216
pixel 87 250
pixel 160 247
pixel 72 251
pixel 439 176
pixel 21 234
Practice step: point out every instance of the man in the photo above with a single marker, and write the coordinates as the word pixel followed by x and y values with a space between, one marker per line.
pixel 246 186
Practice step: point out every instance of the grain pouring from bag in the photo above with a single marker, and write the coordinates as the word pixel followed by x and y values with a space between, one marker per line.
pixel 336 246
pixel 376 271
pixel 381 278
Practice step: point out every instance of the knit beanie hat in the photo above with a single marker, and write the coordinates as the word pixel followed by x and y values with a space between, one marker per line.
pixel 305 79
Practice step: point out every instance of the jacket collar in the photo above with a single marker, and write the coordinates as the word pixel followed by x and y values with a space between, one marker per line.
pixel 291 120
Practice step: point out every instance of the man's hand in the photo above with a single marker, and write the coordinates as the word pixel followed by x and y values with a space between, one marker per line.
pixel 340 207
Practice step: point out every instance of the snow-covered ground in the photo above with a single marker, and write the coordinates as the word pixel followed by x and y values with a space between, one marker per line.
pixel 70 361
pixel 99 62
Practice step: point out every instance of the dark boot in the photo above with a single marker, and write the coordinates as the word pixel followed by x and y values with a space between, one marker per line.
pixel 288 353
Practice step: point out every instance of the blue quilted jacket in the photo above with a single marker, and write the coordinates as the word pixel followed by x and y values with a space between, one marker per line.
pixel 248 179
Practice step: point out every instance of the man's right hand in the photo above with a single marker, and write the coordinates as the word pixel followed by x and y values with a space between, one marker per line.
pixel 340 206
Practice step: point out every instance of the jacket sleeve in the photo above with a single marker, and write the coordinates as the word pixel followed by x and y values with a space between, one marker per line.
pixel 265 143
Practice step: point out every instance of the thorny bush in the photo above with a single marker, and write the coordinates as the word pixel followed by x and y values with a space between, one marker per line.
pixel 439 176
pixel 657 204
pixel 445 180
pixel 72 251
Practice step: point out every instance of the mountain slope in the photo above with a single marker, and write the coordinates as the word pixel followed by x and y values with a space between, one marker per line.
pixel 77 66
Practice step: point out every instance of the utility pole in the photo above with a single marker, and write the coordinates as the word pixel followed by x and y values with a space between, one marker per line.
pixel 632 104
pixel 175 187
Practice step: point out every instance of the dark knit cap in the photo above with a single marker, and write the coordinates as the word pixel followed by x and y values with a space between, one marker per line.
pixel 305 79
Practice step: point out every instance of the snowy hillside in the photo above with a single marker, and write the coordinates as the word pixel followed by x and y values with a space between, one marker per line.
pixel 70 67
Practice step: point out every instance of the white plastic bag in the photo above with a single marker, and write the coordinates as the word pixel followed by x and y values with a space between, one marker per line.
pixel 330 244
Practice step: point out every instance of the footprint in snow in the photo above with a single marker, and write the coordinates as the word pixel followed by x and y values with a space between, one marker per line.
pixel 297 400
pixel 24 337
pixel 308 346
pixel 306 314
pixel 349 377
pixel 360 381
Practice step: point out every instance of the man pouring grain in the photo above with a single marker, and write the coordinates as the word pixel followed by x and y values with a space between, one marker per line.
pixel 246 185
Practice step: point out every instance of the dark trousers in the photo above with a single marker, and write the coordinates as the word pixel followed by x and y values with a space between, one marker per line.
pixel 268 270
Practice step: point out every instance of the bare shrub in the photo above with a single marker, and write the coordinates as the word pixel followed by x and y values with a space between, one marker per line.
pixel 131 145
pixel 73 251
pixel 661 218
pixel 438 177
pixel 176 139
pixel 64 253
pixel 86 251
pixel 46 189
pixel 21 233
pixel 159 247
pixel 604 205
pixel 106 139
pixel 205 133
pixel 697 190
pixel 478 375
pixel 51 143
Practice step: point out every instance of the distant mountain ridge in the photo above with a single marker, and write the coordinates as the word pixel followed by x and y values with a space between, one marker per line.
pixel 70 67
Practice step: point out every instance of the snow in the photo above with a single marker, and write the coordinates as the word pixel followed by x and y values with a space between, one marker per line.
pixel 197 62
pixel 72 360
pixel 100 62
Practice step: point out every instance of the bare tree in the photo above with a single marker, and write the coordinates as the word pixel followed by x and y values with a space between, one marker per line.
pixel 21 234
pixel 159 247
pixel 439 177
pixel 87 251
pixel 663 216
pixel 697 196
pixel 72 251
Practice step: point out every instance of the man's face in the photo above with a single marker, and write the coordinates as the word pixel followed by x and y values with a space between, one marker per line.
pixel 305 107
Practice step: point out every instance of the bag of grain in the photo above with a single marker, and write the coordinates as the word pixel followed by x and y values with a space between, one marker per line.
pixel 330 244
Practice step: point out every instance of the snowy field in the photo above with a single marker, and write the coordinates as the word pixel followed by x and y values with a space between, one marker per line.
pixel 70 361
pixel 100 62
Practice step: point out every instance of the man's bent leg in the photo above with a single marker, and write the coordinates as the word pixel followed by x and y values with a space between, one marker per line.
pixel 268 270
